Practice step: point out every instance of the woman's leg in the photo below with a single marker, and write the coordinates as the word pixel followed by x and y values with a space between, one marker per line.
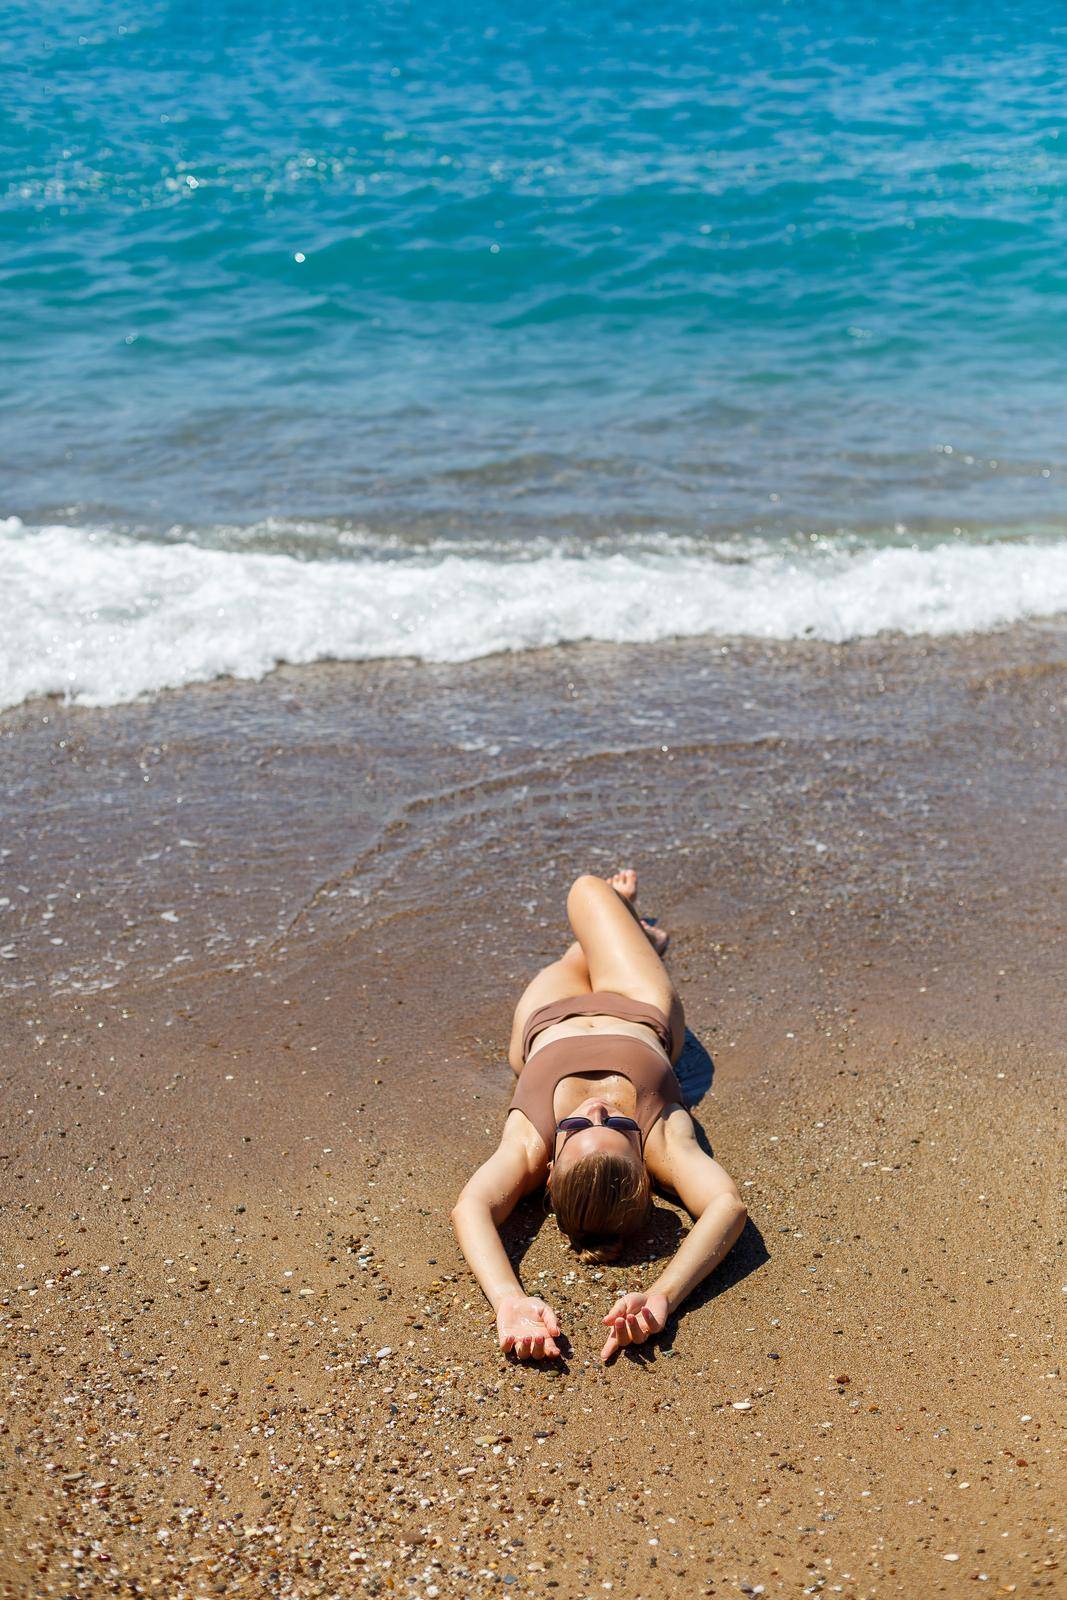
pixel 618 949
pixel 558 981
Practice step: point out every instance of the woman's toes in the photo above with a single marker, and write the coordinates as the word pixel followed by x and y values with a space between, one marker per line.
pixel 624 882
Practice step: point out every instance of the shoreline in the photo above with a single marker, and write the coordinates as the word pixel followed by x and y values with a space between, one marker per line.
pixel 979 636
pixel 132 615
pixel 263 1155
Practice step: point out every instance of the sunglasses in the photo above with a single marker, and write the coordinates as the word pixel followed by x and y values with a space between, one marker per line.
pixel 620 1124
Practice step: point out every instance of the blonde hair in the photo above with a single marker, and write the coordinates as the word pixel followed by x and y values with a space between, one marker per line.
pixel 598 1200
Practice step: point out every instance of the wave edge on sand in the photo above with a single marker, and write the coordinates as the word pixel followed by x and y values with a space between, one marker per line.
pixel 102 618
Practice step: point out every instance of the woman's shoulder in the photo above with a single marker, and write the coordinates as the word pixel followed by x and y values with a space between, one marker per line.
pixel 520 1137
pixel 671 1132
pixel 677 1124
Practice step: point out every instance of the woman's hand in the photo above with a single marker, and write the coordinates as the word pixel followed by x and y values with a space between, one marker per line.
pixel 528 1326
pixel 633 1319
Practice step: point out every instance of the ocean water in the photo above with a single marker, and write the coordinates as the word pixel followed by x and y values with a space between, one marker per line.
pixel 389 330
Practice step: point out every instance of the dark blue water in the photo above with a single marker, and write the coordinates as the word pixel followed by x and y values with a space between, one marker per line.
pixel 445 329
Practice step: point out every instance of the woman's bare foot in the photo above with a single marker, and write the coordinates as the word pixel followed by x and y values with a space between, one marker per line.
pixel 624 882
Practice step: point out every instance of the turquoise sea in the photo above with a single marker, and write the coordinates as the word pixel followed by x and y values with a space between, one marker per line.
pixel 437 330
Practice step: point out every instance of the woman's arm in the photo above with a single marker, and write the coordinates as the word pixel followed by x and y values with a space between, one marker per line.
pixel 525 1324
pixel 711 1197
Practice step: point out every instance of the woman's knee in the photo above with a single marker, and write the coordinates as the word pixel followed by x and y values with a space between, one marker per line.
pixel 585 887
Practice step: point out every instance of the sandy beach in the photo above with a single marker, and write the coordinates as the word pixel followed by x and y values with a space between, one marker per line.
pixel 263 941
pixel 448 450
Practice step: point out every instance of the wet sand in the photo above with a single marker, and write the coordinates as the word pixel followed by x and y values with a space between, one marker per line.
pixel 241 1353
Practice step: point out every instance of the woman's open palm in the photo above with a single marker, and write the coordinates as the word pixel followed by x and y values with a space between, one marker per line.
pixel 633 1319
pixel 528 1326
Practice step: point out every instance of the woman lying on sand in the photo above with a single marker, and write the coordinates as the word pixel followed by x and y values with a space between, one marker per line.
pixel 597 1115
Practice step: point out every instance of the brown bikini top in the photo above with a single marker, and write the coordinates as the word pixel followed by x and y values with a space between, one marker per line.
pixel 652 1077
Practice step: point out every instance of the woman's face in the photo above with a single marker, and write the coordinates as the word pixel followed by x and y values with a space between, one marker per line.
pixel 597 1140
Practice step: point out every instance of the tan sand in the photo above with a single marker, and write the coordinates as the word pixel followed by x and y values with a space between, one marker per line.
pixel 242 1355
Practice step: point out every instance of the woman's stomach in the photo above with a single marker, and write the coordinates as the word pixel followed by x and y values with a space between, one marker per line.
pixel 582 1027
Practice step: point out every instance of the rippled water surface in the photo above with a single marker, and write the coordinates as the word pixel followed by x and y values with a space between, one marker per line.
pixel 327 280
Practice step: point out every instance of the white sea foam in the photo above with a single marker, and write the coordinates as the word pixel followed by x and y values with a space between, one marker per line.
pixel 102 619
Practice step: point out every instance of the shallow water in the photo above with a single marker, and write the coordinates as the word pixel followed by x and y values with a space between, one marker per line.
pixel 882 792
